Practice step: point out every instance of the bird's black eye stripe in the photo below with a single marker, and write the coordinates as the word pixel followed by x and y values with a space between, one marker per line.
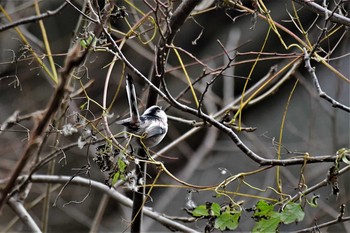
pixel 155 110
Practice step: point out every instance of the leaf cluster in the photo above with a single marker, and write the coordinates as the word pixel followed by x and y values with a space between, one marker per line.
pixel 268 219
pixel 219 217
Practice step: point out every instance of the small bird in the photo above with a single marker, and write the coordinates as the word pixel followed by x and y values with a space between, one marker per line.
pixel 151 127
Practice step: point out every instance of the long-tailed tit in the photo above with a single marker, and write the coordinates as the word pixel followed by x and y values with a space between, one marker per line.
pixel 151 127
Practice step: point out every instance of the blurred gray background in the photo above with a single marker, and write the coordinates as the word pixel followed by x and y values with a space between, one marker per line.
pixel 312 124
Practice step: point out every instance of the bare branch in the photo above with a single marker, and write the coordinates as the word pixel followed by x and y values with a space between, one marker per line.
pixel 32 19
pixel 336 18
pixel 212 121
pixel 318 185
pixel 111 193
pixel 175 22
pixel 37 135
pixel 23 214
pixel 74 58
pixel 326 224
pixel 11 120
pixel 320 92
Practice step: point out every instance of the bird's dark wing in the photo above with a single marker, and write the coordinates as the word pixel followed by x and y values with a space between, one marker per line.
pixel 154 131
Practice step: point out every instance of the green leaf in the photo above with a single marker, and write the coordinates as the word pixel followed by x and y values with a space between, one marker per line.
pixel 215 207
pixel 200 211
pixel 83 43
pixel 268 225
pixel 82 107
pixel 121 165
pixel 218 195
pixel 115 178
pixel 86 42
pixel 263 209
pixel 292 212
pixel 227 221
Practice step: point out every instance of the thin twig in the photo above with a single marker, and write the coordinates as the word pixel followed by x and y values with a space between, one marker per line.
pixel 317 186
pixel 196 158
pixel 320 92
pixel 326 224
pixel 336 18
pixel 82 13
pixel 11 120
pixel 99 214
pixel 32 19
pixel 111 193
pixel 324 29
pixel 74 58
pixel 176 20
pixel 211 120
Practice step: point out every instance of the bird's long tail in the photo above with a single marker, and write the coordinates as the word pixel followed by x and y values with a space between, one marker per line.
pixel 132 99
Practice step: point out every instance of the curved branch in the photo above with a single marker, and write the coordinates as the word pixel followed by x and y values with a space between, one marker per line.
pixel 23 214
pixel 335 18
pixel 112 193
pixel 246 150
pixel 37 136
pixel 211 120
pixel 74 58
